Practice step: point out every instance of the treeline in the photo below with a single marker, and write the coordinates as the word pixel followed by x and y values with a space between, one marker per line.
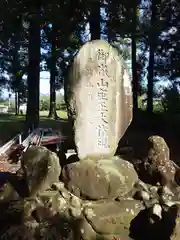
pixel 44 104
pixel 42 35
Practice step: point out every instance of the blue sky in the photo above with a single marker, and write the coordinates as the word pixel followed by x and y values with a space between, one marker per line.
pixel 44 82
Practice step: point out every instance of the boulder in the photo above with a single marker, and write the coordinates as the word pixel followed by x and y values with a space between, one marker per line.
pixel 100 179
pixel 41 169
pixel 112 218
pixel 8 193
pixel 157 163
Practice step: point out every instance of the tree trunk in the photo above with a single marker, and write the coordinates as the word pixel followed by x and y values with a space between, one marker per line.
pixel 32 114
pixel 134 64
pixel 150 81
pixel 15 73
pixel 110 34
pixel 16 103
pixel 52 110
pixel 134 77
pixel 95 20
pixel 152 45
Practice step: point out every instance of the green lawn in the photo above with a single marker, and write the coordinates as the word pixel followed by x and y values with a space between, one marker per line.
pixel 10 125
pixel 61 114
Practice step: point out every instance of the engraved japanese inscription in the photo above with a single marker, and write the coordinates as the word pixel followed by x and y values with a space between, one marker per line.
pixel 102 99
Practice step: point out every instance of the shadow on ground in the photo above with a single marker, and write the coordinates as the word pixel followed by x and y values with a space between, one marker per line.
pixel 10 125
pixel 144 126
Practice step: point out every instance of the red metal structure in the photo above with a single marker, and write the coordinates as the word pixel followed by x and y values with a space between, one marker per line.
pixel 11 151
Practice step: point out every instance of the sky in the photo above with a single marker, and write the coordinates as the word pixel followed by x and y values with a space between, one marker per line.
pixel 44 83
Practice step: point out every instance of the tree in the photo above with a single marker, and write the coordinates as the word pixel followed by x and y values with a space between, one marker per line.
pixel 95 19
pixel 32 115
pixel 134 54
pixel 123 23
pixel 60 42
pixel 53 71
pixel 152 47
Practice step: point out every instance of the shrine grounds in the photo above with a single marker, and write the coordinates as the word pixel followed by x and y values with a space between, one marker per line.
pixel 140 129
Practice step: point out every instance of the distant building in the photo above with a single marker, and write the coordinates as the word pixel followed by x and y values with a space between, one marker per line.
pixel 23 108
pixel 3 109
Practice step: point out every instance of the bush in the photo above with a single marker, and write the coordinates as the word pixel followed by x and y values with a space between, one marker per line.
pixel 44 105
pixel 61 106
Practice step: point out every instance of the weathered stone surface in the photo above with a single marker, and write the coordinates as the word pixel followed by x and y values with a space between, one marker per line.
pixel 112 218
pixel 86 230
pixel 41 168
pixel 7 193
pixel 157 163
pixel 44 216
pixel 29 205
pixel 99 99
pixel 101 179
pixel 176 230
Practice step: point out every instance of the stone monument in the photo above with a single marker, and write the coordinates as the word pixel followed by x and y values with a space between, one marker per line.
pixel 98 94
pixel 53 197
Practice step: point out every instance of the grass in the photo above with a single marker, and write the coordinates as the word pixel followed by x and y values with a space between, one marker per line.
pixel 10 125
pixel 61 114
pixel 142 126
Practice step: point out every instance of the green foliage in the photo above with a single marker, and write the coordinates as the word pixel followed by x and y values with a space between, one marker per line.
pixel 61 106
pixel 123 46
pixel 70 20
pixel 4 102
pixel 45 104
pixel 158 107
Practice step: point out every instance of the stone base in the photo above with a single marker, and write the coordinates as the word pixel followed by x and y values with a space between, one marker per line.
pixel 58 214
pixel 102 199
pixel 100 179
